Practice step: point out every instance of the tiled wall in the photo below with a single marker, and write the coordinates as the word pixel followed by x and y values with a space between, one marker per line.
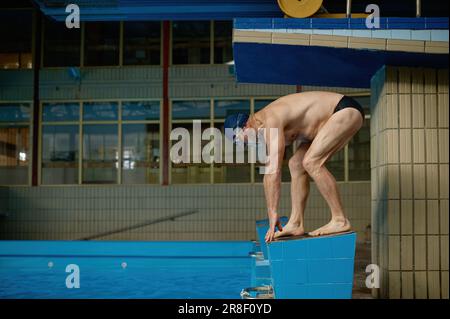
pixel 224 212
pixel 409 140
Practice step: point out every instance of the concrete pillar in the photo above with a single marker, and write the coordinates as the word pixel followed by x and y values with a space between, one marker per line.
pixel 409 165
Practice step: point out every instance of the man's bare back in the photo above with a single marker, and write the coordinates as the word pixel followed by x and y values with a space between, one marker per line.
pixel 324 122
pixel 302 114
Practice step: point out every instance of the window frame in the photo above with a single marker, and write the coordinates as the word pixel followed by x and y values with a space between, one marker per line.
pixel 119 122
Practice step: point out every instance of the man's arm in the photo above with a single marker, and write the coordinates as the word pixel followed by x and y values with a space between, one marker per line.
pixel 275 144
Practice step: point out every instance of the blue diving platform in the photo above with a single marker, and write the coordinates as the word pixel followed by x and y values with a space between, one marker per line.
pixel 306 267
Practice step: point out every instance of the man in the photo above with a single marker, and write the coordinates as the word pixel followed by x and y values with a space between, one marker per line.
pixel 322 123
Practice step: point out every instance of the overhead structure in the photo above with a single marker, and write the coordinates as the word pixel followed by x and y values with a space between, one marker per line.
pixel 146 10
pixel 334 52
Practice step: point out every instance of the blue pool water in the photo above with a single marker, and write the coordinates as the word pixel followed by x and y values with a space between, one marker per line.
pixel 37 269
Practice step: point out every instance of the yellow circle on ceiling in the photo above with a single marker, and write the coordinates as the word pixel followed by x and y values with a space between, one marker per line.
pixel 300 8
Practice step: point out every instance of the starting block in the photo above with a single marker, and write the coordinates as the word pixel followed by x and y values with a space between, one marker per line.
pixel 260 267
pixel 305 267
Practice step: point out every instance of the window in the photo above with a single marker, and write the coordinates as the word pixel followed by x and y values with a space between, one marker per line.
pixel 14 143
pixel 60 139
pixel 183 114
pixel 112 133
pixel 142 43
pixel 101 43
pixel 15 35
pixel 231 172
pixel 223 38
pixel 140 142
pixel 359 154
pixel 191 43
pixel 100 111
pixel 100 153
pixel 60 154
pixel 61 45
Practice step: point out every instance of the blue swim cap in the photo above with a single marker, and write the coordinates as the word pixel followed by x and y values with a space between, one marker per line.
pixel 233 121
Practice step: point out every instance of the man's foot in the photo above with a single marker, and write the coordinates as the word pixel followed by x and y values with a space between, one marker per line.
pixel 290 230
pixel 333 227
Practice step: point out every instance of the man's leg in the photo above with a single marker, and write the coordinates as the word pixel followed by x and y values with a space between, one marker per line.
pixel 332 137
pixel 299 194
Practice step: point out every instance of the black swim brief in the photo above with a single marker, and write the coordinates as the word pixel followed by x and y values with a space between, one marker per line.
pixel 347 101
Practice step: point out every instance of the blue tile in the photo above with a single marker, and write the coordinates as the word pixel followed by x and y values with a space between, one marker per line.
pixel 332 23
pixel 382 34
pixel 436 23
pixel 322 31
pixel 421 35
pixel 330 271
pixel 401 34
pixel 343 32
pixel 277 273
pixel 295 249
pixel 362 33
pixel 344 246
pixel 292 291
pixel 439 35
pixel 253 23
pixel 342 291
pixel 292 23
pixel 406 23
pixel 320 248
pixel 295 271
pixel 275 251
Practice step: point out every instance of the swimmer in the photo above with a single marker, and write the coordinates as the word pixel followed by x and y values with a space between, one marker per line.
pixel 321 124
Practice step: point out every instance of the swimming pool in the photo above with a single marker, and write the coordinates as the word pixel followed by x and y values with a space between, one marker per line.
pixel 107 269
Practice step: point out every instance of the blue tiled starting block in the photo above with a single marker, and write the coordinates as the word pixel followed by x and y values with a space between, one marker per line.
pixel 313 267
pixel 262 226
pixel 261 268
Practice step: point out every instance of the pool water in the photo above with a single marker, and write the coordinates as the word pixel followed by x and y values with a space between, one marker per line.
pixel 37 269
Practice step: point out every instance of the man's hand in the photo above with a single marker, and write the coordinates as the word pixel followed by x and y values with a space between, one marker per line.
pixel 274 222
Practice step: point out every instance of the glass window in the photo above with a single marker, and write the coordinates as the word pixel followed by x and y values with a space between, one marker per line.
pixel 142 43
pixel 191 109
pixel 190 173
pixel 15 112
pixel 223 108
pixel 58 112
pixel 140 153
pixel 260 104
pixel 61 45
pixel 100 111
pixel 359 154
pixel 223 39
pixel 336 165
pixel 60 154
pixel 101 43
pixel 231 172
pixel 100 154
pixel 285 173
pixel 191 43
pixel 15 35
pixel 141 111
pixel 14 154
